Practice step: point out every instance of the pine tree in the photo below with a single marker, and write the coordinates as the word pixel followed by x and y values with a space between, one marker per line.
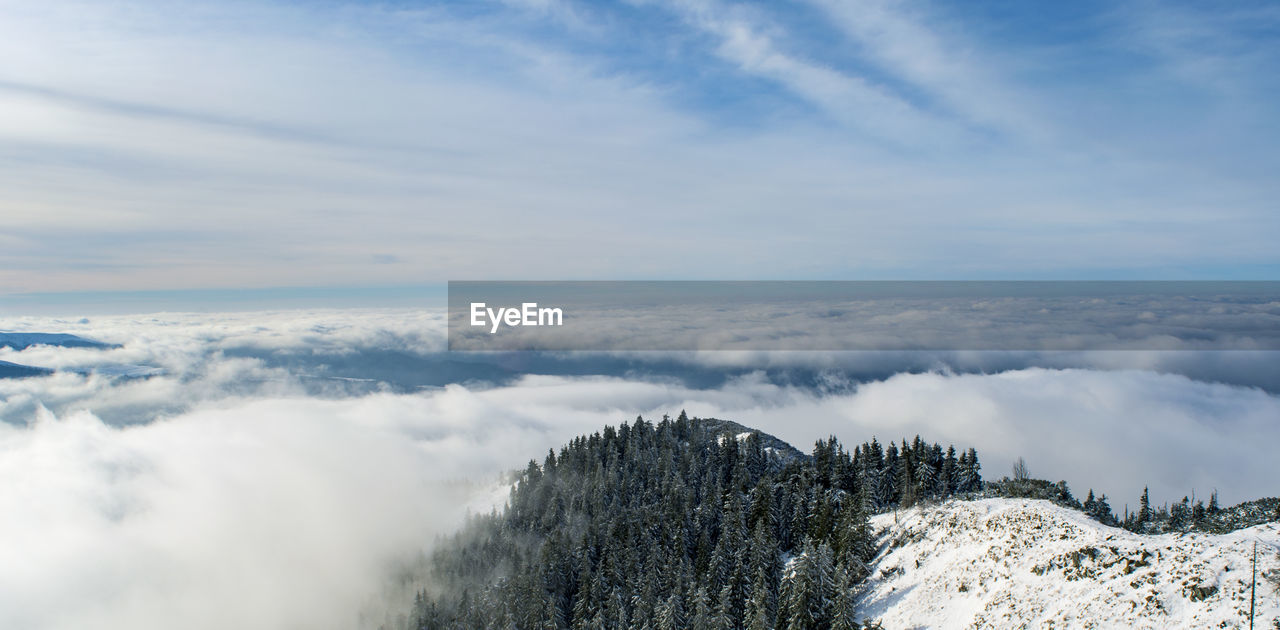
pixel 1144 509
pixel 925 477
pixel 873 465
pixel 584 607
pixel 671 613
pixel 968 479
pixel 702 613
pixel 823 569
pixel 795 610
pixel 800 517
pixel 843 610
pixel 761 510
pixel 889 476
pixel 763 562
pixel 1102 511
pixel 552 614
pixel 905 477
pixel 1179 513
pixel 855 543
pixel 644 602
pixel 597 621
pixel 950 472
pixel 823 522
pixel 759 612
pixel 618 610
pixel 723 617
pixel 974 480
pixel 809 596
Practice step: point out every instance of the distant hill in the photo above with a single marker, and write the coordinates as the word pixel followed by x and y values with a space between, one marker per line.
pixel 13 370
pixel 783 452
pixel 20 341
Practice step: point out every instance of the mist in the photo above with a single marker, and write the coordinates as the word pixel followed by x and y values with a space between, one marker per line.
pixel 255 480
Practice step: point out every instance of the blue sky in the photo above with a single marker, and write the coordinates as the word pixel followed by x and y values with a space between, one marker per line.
pixel 160 146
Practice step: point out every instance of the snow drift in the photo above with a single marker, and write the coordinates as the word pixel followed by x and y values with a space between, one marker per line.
pixel 1014 563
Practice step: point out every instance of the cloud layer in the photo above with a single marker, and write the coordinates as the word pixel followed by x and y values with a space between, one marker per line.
pixel 228 492
pixel 934 316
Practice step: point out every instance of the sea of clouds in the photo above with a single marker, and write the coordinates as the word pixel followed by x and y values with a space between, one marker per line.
pixel 289 469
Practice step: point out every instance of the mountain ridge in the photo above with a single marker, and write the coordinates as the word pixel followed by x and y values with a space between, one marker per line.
pixel 23 340
pixel 710 524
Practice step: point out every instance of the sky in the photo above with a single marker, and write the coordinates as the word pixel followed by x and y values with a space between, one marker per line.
pixel 249 459
pixel 159 146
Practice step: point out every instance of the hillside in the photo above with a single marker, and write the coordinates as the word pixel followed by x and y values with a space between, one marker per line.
pixel 23 340
pixel 703 523
pixel 14 370
pixel 686 522
pixel 1017 563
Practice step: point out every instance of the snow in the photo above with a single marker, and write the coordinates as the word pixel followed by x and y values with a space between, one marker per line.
pixel 741 437
pixel 1017 563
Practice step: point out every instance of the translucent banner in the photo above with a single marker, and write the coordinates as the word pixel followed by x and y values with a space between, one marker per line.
pixel 863 315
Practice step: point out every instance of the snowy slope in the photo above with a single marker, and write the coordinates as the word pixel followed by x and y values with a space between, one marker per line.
pixel 1015 563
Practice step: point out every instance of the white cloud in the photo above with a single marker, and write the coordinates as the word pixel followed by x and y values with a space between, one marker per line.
pixel 274 514
pixel 849 99
pixel 190 351
pixel 911 45
pixel 138 141
pixel 1113 431
pixel 257 507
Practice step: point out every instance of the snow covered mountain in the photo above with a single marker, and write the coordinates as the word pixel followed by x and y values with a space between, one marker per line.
pixel 637 526
pixel 1017 563
pixel 779 452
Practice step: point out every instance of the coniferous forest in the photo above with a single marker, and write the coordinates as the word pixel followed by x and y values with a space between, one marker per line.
pixel 684 523
pixel 707 524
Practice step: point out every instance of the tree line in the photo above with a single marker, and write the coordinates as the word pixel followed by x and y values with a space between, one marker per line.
pixel 683 523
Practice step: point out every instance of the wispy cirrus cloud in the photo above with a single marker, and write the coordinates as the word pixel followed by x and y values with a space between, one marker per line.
pixel 878 139
pixel 745 40
pixel 949 72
